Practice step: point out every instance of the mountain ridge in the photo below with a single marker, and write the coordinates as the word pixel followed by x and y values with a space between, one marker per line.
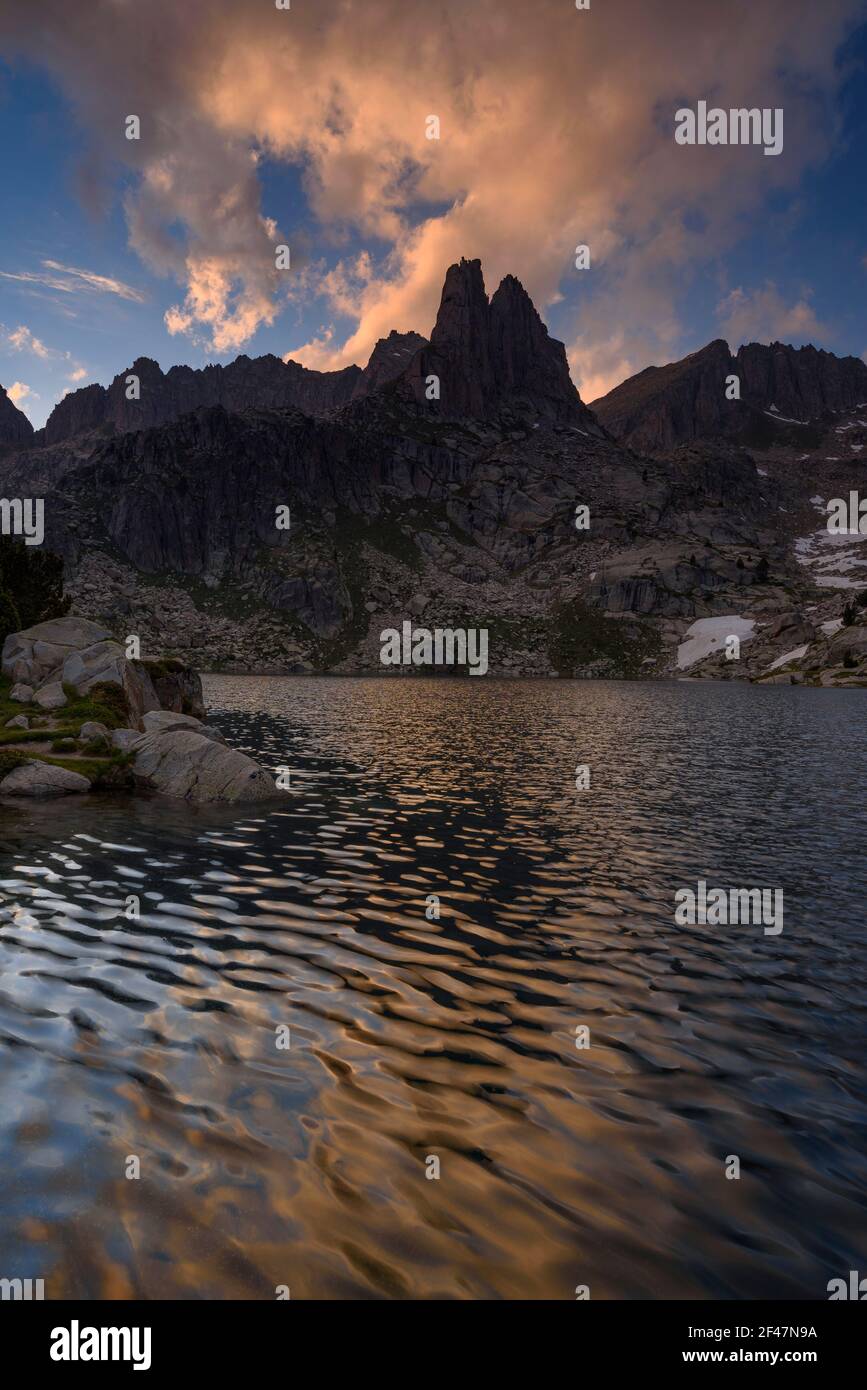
pixel 661 407
pixel 457 507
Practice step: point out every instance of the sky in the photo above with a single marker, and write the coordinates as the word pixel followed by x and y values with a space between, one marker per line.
pixel 308 128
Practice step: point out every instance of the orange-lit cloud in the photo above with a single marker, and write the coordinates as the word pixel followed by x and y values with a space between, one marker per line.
pixel 556 128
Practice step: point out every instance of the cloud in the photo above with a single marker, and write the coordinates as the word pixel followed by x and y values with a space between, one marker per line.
pixel 91 281
pixel 71 280
pixel 19 392
pixel 556 129
pixel 763 316
pixel 22 340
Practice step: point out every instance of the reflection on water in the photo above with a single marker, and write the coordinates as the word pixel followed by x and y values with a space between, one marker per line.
pixel 453 1037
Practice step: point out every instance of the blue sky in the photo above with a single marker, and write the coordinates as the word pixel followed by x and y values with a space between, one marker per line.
pixel 793 264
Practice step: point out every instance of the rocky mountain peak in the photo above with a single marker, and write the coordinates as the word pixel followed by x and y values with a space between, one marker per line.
pixel 390 357
pixel 15 428
pixel 494 356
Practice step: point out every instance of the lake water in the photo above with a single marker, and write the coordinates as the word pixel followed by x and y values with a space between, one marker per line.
pixel 414 1039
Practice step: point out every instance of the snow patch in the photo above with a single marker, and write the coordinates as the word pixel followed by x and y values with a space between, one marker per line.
pixel 786 419
pixel 709 635
pixel 794 655
pixel 837 561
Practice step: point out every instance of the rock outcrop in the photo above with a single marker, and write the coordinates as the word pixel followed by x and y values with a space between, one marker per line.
pixel 494 357
pixel 42 779
pixel 389 359
pixel 174 753
pixel 31 656
pixel 184 763
pixel 178 687
pixel 15 428
pixel 78 653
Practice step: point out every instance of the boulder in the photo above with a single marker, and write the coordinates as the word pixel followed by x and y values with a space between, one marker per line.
pixel 42 779
pixel 178 687
pixel 183 763
pixel 849 641
pixel 162 721
pixel 125 739
pixel 94 732
pixel 50 696
pixel 21 694
pixel 36 652
pixel 19 721
pixel 105 662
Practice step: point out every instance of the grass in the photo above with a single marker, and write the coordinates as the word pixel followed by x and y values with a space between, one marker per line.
pixel 15 736
pixel 104 703
pixel 582 635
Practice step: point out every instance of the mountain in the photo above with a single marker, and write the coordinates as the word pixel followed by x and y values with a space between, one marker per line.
pixel 389 359
pixel 494 356
pixel 15 428
pixel 665 406
pixel 245 384
pixel 463 510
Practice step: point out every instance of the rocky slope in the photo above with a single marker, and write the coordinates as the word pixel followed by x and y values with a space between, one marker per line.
pixel 459 509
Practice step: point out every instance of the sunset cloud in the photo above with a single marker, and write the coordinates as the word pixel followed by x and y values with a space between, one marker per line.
pixel 19 392
pixel 763 316
pixel 22 340
pixel 556 128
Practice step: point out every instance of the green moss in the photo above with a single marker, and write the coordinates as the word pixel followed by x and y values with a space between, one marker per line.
pixel 63 745
pixel 164 666
pixel 14 736
pixel 95 748
pixel 104 703
pixel 104 774
pixel 9 762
